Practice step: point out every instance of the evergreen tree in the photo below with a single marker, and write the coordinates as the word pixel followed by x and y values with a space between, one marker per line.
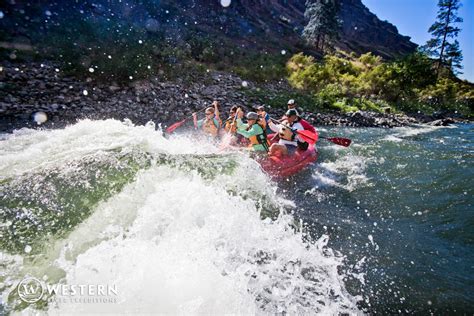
pixel 443 45
pixel 323 23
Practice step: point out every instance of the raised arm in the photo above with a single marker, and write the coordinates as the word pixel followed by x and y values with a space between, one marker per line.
pixel 216 110
pixel 195 120
pixel 273 126
pixel 254 130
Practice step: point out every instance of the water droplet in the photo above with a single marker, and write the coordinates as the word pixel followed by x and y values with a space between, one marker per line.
pixel 140 42
pixel 91 69
pixel 48 13
pixel 225 3
pixel 1 14
pixel 84 92
pixel 245 84
pixel 28 249
pixel 40 117
pixel 283 52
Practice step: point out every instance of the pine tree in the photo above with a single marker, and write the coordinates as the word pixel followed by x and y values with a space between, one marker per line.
pixel 443 45
pixel 323 23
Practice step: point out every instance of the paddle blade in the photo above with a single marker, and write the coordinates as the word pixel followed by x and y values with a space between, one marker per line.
pixel 340 141
pixel 308 136
pixel 171 128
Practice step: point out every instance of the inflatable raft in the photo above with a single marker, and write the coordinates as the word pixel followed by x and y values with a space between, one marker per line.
pixel 281 167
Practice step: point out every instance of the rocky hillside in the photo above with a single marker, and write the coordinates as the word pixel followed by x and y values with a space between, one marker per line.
pixel 29 89
pixel 257 24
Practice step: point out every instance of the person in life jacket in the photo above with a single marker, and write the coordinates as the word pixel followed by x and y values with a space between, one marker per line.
pixel 230 125
pixel 291 104
pixel 306 125
pixel 264 119
pixel 253 131
pixel 211 124
pixel 229 132
pixel 289 140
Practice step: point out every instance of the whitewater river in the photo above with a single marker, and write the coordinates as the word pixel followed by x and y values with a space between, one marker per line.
pixel 173 226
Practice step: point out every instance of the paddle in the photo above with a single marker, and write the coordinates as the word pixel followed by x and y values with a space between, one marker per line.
pixel 339 141
pixel 312 138
pixel 176 125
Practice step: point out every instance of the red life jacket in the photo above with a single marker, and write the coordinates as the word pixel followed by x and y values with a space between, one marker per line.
pixel 306 125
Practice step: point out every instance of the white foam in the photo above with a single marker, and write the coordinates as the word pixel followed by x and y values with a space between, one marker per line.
pixel 409 131
pixel 173 241
pixel 195 250
pixel 346 172
pixel 26 149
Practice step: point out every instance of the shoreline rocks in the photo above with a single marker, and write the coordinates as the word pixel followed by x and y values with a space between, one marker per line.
pixel 28 88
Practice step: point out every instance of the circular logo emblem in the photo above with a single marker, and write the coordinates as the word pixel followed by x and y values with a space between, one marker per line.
pixel 30 290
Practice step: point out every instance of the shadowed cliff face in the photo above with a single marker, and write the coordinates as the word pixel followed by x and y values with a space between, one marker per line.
pixel 362 31
pixel 256 24
pixel 276 23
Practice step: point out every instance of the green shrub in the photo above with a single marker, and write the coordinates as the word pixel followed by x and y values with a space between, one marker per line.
pixel 347 82
pixel 280 99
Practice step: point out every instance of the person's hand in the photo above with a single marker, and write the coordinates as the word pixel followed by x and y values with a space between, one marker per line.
pixel 240 113
pixel 215 104
pixel 194 114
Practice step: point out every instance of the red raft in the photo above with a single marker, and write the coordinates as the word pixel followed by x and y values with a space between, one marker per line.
pixel 282 167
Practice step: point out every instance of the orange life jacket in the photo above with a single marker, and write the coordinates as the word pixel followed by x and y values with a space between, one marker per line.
pixel 260 139
pixel 211 126
pixel 228 127
pixel 261 121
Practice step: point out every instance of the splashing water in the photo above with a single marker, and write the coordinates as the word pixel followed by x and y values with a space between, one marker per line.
pixel 174 226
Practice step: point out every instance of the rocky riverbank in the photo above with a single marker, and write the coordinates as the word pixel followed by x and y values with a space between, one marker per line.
pixel 26 89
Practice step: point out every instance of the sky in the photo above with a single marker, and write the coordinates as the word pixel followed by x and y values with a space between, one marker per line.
pixel 414 17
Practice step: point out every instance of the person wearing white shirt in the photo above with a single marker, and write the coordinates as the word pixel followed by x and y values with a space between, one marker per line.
pixel 289 140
